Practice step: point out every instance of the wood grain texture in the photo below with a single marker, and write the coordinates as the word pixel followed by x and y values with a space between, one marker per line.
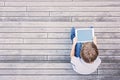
pixel 65 4
pixel 35 38
pixel 60 24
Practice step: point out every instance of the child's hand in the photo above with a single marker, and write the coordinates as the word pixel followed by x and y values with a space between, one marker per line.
pixel 95 40
pixel 74 40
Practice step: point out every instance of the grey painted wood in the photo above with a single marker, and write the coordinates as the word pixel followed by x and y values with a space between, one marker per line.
pixel 55 30
pixel 11 40
pixel 1 3
pixel 23 14
pixel 53 35
pixel 110 72
pixel 12 8
pixel 51 0
pixel 108 77
pixel 65 4
pixel 37 72
pixel 71 77
pixel 50 65
pixel 35 38
pixel 66 41
pixel 72 9
pixel 110 52
pixel 53 52
pixel 86 14
pixel 23 35
pixel 52 46
pixel 37 19
pixel 98 19
pixel 96 1
pixel 99 35
pixel 43 18
pixel 54 58
pixel 60 24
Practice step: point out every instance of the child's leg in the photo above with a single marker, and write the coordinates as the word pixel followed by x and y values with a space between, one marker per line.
pixel 72 33
pixel 78 49
pixel 78 45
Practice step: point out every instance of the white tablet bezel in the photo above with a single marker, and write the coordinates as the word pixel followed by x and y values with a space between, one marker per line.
pixel 85 29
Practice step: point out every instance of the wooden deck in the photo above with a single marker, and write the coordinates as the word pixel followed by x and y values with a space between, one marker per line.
pixel 35 42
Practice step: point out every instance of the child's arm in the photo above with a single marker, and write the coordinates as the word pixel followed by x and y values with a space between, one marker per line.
pixel 73 47
pixel 95 40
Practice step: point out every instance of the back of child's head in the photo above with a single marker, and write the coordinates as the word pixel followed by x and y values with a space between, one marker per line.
pixel 89 52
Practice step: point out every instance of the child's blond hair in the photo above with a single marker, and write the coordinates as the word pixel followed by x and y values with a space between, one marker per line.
pixel 89 52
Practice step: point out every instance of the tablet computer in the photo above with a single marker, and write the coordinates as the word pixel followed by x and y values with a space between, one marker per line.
pixel 85 34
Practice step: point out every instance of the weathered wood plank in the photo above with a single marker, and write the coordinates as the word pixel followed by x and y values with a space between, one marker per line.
pixel 95 15
pixel 109 52
pixel 22 14
pixel 11 40
pixel 24 58
pixel 35 66
pixel 39 72
pixel 111 35
pixel 115 41
pixel 13 14
pixel 33 58
pixel 105 77
pixel 95 19
pixel 45 17
pixel 15 0
pixel 95 0
pixel 1 0
pixel 35 46
pixel 37 19
pixel 36 72
pixel 65 41
pixel 53 52
pixel 110 59
pixel 54 72
pixel 38 0
pixel 23 35
pixel 59 58
pixel 64 4
pixel 35 52
pixel 105 59
pixel 54 4
pixel 109 66
pixel 35 37
pixel 16 4
pixel 53 41
pixel 38 14
pixel 99 35
pixel 12 8
pixel 54 35
pixel 35 61
pixel 73 9
pixel 109 72
pixel 86 14
pixel 49 41
pixel 1 4
pixel 52 77
pixel 56 30
pixel 9 52
pixel 52 46
pixel 59 24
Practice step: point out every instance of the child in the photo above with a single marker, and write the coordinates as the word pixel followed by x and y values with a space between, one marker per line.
pixel 84 56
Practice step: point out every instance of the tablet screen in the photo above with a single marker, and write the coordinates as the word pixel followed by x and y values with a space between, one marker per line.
pixel 85 35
